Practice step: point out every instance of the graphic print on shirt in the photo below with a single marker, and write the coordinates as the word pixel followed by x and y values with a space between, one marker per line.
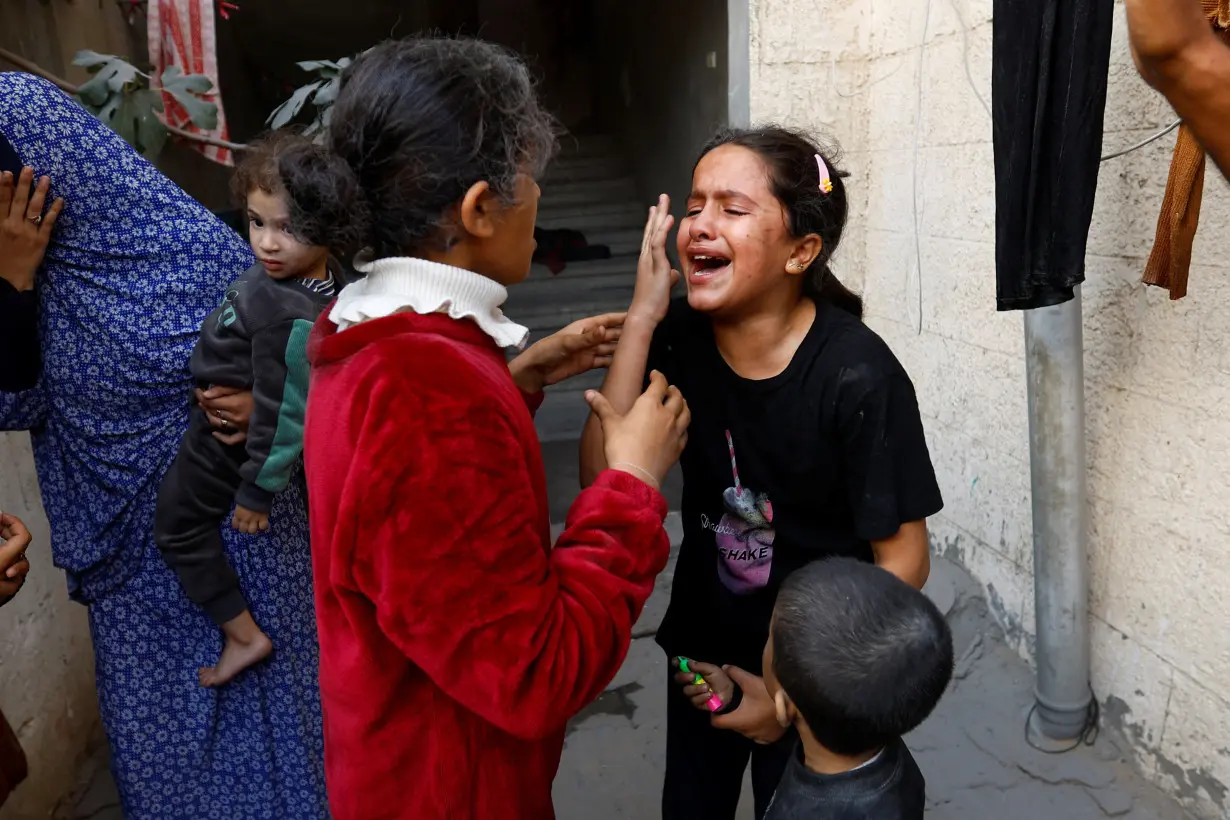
pixel 227 317
pixel 744 536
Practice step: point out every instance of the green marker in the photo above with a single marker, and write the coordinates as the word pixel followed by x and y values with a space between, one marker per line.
pixel 715 703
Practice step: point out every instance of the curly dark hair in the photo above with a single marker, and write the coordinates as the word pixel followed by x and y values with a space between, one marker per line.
pixel 417 122
pixel 321 194
pixel 794 178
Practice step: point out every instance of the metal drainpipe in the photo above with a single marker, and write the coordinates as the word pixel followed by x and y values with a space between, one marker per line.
pixel 739 64
pixel 1055 375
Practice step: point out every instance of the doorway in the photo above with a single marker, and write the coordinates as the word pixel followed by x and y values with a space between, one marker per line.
pixel 638 85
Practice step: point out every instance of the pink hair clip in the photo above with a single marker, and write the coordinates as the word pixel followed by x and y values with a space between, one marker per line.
pixel 826 179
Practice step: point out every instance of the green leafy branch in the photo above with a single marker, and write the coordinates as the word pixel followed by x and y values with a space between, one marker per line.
pixel 124 99
pixel 321 92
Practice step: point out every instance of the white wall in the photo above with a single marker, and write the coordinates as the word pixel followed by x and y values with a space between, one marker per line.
pixel 46 661
pixel 1158 373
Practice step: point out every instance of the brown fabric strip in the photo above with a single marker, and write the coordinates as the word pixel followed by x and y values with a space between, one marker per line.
pixel 1176 224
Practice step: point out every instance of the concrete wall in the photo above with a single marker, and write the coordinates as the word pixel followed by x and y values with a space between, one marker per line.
pixel 1158 373
pixel 665 85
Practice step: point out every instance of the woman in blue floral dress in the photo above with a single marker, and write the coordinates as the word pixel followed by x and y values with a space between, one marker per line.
pixel 133 268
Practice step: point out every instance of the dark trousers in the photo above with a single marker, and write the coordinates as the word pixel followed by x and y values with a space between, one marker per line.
pixel 193 502
pixel 704 765
pixel 1049 64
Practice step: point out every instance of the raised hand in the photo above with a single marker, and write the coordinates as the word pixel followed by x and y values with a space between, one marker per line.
pixel 654 275
pixel 647 440
pixel 756 717
pixel 13 562
pixel 582 346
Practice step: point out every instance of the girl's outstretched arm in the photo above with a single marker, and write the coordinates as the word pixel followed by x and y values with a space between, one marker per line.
pixel 626 379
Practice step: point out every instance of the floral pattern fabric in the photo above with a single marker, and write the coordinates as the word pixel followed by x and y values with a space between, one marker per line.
pixel 134 268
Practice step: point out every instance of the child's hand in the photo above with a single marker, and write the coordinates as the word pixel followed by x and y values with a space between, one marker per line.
pixel 646 441
pixel 13 562
pixel 249 521
pixel 654 276
pixel 717 682
pixel 756 717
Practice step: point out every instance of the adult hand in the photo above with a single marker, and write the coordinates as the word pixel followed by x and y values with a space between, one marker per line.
pixel 654 277
pixel 578 348
pixel 24 230
pixel 756 717
pixel 229 409
pixel 13 563
pixel 649 438
pixel 1162 30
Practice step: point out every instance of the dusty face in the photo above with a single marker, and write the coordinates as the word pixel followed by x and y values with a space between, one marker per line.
pixel 508 253
pixel 733 240
pixel 283 256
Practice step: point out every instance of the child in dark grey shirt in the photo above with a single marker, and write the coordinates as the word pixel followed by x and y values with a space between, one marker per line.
pixel 856 658
pixel 255 340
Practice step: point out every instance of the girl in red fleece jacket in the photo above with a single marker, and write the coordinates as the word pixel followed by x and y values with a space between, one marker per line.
pixel 455 642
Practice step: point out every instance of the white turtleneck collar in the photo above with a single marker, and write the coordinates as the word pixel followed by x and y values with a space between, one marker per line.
pixel 399 284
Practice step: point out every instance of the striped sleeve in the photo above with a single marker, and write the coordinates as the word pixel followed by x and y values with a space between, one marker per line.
pixel 275 435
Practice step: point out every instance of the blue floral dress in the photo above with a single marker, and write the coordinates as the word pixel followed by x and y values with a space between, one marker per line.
pixel 134 268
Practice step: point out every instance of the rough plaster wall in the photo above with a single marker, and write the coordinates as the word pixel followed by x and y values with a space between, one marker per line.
pixel 46 661
pixel 1158 373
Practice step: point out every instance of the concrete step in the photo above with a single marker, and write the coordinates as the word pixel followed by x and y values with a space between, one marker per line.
pixel 612 209
pixel 545 320
pixel 629 217
pixel 581 168
pixel 588 145
pixel 586 381
pixel 571 194
pixel 617 264
pixel 537 294
pixel 626 242
pixel 622 242
pixel 586 189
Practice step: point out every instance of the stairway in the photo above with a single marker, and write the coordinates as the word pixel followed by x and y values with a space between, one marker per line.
pixel 588 189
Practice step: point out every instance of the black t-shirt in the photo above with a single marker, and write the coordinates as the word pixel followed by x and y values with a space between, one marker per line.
pixel 817 461
pixel 890 787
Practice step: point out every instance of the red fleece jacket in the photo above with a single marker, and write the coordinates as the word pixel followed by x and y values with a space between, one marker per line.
pixel 455 643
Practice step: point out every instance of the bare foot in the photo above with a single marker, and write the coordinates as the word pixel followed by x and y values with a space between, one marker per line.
pixel 246 645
